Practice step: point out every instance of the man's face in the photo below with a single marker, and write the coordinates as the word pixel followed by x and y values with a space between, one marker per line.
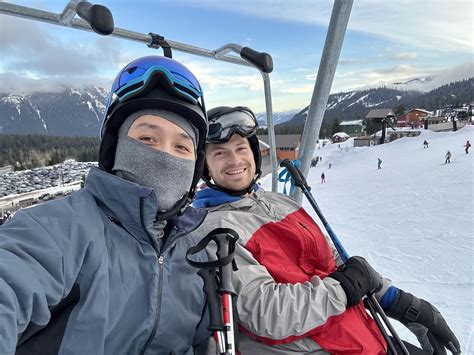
pixel 159 133
pixel 231 164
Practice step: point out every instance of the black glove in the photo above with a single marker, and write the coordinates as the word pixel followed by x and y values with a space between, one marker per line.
pixel 357 278
pixel 425 321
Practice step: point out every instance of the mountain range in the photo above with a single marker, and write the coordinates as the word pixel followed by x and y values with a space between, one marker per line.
pixel 356 105
pixel 67 113
pixel 79 112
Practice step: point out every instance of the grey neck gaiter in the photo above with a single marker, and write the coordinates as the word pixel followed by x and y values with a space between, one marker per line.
pixel 170 177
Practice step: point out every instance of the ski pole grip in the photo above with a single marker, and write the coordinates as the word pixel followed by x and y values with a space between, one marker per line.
pixel 213 299
pixel 300 181
pixel 202 245
pixel 261 60
pixel 225 239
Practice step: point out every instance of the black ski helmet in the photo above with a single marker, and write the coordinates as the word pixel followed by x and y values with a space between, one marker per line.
pixel 224 121
pixel 154 82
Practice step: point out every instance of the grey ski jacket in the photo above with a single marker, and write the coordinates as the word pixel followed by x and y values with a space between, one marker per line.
pixel 85 275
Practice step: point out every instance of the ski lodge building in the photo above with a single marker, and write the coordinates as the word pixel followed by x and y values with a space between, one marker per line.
pixel 287 145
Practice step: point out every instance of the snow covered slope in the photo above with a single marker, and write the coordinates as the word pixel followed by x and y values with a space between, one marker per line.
pixel 413 220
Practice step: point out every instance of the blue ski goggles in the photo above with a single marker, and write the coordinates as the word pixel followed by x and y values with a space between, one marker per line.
pixel 142 73
pixel 238 120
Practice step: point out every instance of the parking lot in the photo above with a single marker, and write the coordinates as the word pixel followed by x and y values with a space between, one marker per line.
pixel 23 188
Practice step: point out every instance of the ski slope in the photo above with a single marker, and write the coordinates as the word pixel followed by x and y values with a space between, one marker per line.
pixel 413 220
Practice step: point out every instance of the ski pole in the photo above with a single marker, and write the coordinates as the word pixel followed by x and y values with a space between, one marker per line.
pixel 218 288
pixel 373 305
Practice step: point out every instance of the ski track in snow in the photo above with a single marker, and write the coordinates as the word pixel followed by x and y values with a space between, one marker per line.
pixel 413 220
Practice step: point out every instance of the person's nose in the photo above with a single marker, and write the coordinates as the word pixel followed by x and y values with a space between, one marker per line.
pixel 166 147
pixel 233 158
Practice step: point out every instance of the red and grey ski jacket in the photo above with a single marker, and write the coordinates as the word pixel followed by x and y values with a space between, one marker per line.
pixel 286 303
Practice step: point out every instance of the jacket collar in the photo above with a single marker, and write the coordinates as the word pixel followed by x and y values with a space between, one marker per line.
pixel 210 197
pixel 132 205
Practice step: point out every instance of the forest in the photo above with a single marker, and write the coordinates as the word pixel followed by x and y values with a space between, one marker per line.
pixel 31 151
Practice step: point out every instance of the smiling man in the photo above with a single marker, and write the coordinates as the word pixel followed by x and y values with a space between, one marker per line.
pixel 293 294
pixel 232 164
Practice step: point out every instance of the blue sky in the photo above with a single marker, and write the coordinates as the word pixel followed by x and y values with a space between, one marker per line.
pixel 386 42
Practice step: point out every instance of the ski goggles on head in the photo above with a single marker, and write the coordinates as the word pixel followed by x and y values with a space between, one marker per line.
pixel 141 74
pixel 238 120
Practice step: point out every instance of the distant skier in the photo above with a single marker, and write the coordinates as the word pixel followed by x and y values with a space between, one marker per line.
pixel 467 146
pixel 425 144
pixel 329 166
pixel 379 163
pixel 314 162
pixel 323 178
pixel 448 157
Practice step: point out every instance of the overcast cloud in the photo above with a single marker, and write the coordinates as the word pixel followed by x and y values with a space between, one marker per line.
pixel 403 40
pixel 437 24
pixel 34 55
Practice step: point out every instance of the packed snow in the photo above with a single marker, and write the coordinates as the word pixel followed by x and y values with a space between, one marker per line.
pixel 413 219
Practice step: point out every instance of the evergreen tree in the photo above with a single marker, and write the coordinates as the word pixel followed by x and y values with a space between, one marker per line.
pixel 399 110
pixel 335 127
pixel 31 151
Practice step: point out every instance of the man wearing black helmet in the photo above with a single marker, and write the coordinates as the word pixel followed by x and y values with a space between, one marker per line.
pixel 103 270
pixel 293 293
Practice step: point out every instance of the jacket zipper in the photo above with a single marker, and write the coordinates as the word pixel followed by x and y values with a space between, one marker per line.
pixel 161 260
pixel 158 304
pixel 160 288
pixel 261 202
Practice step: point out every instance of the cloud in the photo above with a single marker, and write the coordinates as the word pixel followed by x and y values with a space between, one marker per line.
pixel 368 78
pixel 403 56
pixel 214 75
pixel 445 76
pixel 434 25
pixel 35 56
pixel 345 61
pixel 299 89
pixel 13 82
pixel 301 70
pixel 364 78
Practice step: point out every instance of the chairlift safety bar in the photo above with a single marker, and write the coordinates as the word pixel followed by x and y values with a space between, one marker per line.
pixel 67 19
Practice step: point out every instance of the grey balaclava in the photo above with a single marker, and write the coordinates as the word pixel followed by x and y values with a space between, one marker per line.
pixel 169 176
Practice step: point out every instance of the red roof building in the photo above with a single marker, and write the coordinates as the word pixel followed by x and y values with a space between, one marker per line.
pixel 413 118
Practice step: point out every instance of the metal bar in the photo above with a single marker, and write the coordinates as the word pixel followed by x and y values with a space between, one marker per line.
pixel 231 47
pixel 67 19
pixel 52 18
pixel 29 13
pixel 69 12
pixel 327 68
pixel 271 130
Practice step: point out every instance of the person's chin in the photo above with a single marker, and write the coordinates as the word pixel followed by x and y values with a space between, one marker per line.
pixel 240 185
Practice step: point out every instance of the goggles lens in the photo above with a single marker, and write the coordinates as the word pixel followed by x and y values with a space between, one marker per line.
pixel 224 126
pixel 137 75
